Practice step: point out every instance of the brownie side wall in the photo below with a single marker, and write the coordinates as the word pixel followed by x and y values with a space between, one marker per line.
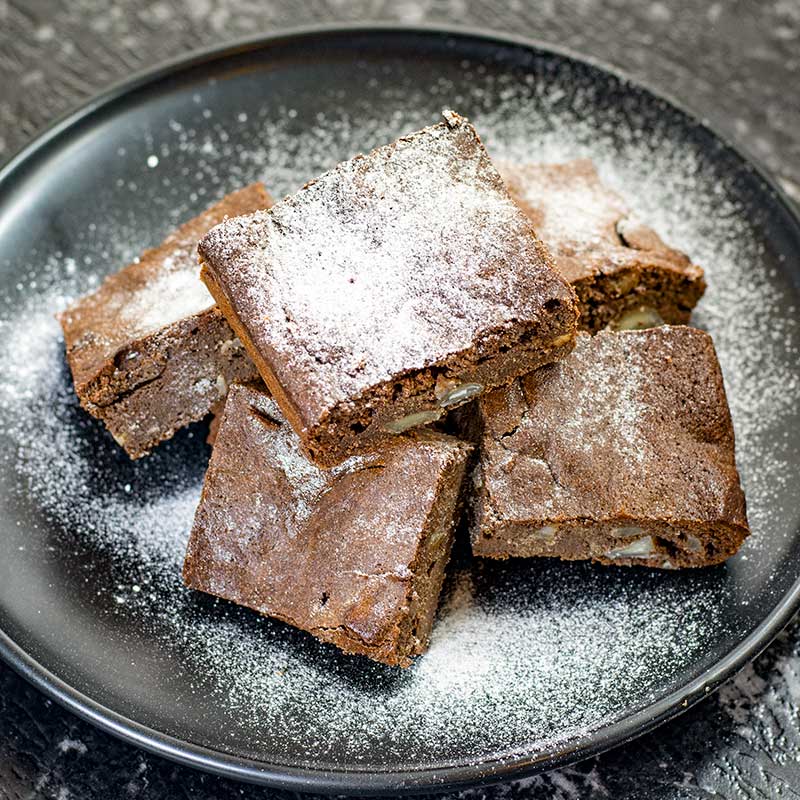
pixel 361 423
pixel 603 299
pixel 201 358
pixel 679 544
pixel 261 363
pixel 434 554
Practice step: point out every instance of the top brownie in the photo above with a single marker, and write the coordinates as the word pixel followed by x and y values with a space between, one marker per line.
pixel 390 289
pixel 620 269
pixel 149 351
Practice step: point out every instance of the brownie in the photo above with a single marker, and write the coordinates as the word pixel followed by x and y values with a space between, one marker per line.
pixel 389 290
pixel 149 351
pixel 623 273
pixel 622 453
pixel 354 555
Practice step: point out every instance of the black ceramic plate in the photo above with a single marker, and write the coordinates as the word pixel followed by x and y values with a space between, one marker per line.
pixel 532 664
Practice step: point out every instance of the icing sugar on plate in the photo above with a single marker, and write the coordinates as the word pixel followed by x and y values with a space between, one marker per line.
pixel 525 655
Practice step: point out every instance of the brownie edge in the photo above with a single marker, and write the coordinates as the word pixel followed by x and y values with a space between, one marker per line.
pixel 354 555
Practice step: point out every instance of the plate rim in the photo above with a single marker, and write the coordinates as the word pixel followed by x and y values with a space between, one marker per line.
pixel 370 781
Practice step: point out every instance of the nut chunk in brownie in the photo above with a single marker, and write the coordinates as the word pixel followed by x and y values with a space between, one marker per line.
pixel 149 351
pixel 622 453
pixel 622 272
pixel 354 555
pixel 391 289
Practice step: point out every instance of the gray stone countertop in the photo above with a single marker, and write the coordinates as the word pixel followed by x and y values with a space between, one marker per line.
pixel 736 63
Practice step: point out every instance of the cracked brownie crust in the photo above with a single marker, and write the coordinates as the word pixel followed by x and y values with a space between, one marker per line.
pixel 622 453
pixel 389 290
pixel 621 271
pixel 354 555
pixel 149 351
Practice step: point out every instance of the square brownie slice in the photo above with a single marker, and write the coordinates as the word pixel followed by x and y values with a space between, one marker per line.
pixel 623 273
pixel 622 453
pixel 355 555
pixel 149 351
pixel 389 290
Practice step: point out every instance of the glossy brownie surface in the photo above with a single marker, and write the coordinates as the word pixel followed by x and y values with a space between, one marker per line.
pixel 387 283
pixel 353 555
pixel 623 452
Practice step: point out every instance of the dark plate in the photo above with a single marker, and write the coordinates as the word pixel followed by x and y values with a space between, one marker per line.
pixel 532 664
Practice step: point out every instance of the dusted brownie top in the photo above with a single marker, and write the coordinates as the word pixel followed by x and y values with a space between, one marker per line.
pixel 631 423
pixel 320 549
pixel 389 263
pixel 586 225
pixel 162 287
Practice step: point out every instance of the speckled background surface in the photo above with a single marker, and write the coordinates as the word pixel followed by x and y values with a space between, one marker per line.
pixel 737 63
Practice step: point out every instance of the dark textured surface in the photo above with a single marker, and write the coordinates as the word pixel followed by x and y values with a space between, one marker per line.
pixel 737 63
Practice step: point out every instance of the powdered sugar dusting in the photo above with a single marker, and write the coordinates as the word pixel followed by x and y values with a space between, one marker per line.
pixel 612 410
pixel 579 213
pixel 525 655
pixel 386 264
pixel 177 293
pixel 279 445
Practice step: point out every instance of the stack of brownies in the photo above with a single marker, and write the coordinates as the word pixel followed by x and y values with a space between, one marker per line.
pixel 416 335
